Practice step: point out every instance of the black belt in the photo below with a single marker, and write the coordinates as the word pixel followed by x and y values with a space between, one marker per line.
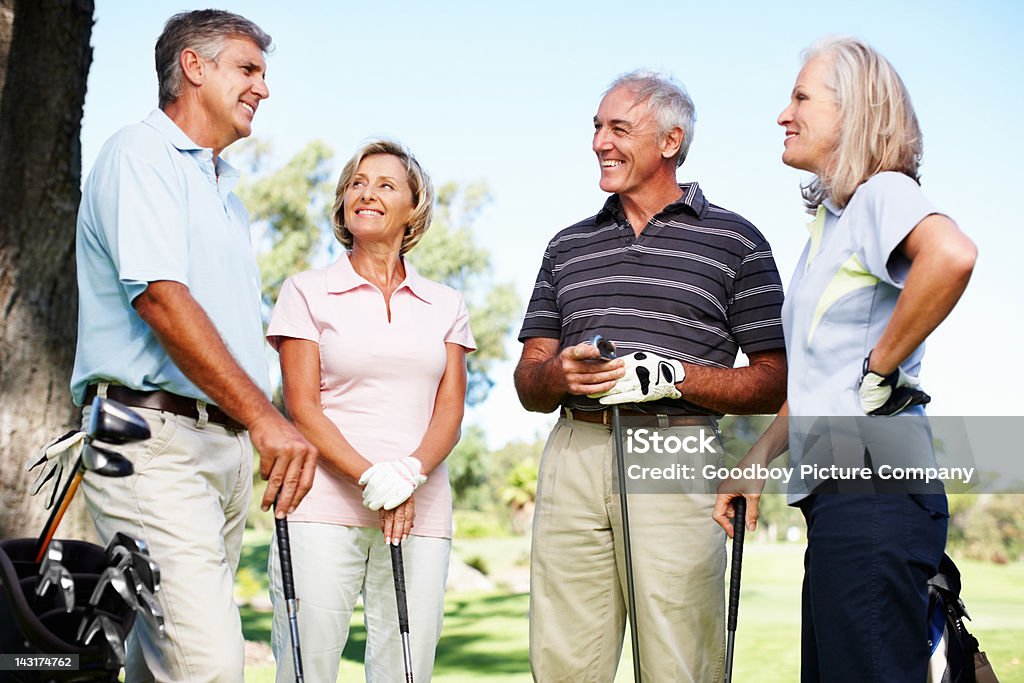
pixel 638 419
pixel 165 400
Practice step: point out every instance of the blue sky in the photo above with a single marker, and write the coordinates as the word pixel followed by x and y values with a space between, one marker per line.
pixel 505 92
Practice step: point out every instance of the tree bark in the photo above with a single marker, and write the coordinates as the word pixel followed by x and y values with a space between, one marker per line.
pixel 43 79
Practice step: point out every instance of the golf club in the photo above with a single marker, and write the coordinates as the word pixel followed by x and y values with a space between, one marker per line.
pixel 739 525
pixel 398 569
pixel 607 350
pixel 111 631
pixel 52 572
pixel 115 578
pixel 109 422
pixel 284 551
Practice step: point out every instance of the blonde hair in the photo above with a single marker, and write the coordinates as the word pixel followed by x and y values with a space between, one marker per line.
pixel 419 183
pixel 878 129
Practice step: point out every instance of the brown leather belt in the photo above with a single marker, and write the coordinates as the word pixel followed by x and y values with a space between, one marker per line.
pixel 165 400
pixel 634 418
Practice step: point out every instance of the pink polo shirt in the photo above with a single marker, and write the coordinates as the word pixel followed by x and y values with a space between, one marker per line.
pixel 378 379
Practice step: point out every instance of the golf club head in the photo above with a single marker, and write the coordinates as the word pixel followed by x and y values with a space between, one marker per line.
pixel 106 462
pixel 121 540
pixel 58 575
pixel 111 631
pixel 149 608
pixel 147 571
pixel 116 579
pixel 115 423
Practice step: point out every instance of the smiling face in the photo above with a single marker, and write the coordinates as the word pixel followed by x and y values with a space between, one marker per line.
pixel 232 89
pixel 811 120
pixel 379 201
pixel 629 147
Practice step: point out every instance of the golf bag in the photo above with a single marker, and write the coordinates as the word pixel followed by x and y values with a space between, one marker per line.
pixel 34 626
pixel 955 653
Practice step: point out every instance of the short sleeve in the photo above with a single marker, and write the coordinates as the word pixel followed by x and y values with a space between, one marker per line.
pixel 148 232
pixel 459 332
pixel 889 206
pixel 293 316
pixel 755 314
pixel 542 317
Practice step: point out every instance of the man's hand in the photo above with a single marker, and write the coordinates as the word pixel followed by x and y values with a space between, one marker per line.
pixel 389 484
pixel 397 524
pixel 585 372
pixel 648 377
pixel 287 462
pixel 889 394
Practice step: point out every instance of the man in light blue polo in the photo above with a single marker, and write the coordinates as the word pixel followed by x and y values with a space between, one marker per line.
pixel 169 323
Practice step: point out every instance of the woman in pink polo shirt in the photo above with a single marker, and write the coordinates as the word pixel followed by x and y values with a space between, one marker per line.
pixel 373 358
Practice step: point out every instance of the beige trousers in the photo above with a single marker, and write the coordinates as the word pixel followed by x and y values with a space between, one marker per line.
pixel 187 500
pixel 578 585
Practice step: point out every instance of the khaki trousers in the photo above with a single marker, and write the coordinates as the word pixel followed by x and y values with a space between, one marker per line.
pixel 187 500
pixel 578 584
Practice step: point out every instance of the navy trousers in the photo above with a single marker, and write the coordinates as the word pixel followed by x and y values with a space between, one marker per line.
pixel 865 593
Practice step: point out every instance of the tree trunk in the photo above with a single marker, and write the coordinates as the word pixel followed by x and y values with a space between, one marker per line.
pixel 44 64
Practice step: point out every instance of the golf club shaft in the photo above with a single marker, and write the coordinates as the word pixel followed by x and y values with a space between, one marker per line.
pixel 284 551
pixel 739 526
pixel 630 594
pixel 398 569
pixel 58 511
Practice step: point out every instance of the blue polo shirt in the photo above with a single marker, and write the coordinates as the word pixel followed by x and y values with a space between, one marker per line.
pixel 839 302
pixel 156 206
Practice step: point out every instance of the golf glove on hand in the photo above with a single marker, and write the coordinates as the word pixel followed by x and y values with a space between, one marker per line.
pixel 389 484
pixel 648 377
pixel 56 456
pixel 889 394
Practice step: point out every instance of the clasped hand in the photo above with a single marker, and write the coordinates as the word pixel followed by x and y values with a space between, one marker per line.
pixel 389 484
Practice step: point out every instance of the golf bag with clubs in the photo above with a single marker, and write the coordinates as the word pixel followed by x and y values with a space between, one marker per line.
pixel 68 597
pixel 41 626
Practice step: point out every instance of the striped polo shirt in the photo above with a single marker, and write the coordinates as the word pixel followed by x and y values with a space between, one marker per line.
pixel 697 285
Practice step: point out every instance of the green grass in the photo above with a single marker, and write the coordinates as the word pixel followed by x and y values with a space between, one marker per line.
pixel 485 635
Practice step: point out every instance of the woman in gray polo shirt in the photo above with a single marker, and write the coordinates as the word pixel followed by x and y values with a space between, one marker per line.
pixel 881 270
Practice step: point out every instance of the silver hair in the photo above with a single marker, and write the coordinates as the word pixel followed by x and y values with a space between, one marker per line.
pixel 667 100
pixel 204 31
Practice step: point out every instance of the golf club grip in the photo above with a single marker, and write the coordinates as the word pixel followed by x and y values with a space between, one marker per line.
pixel 398 568
pixel 739 526
pixel 284 549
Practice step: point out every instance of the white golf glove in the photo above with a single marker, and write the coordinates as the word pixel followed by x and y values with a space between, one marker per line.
pixel 648 377
pixel 889 394
pixel 389 484
pixel 56 456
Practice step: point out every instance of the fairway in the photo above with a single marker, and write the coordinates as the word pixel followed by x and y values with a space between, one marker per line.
pixel 485 635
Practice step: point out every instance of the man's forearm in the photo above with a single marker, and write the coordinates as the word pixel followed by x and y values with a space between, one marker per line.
pixel 538 385
pixel 189 337
pixel 757 388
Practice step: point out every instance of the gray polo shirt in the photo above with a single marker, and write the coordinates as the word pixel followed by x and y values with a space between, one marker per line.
pixel 698 284
pixel 841 297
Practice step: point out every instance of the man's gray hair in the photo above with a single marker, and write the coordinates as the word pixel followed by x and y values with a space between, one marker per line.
pixel 204 31
pixel 667 100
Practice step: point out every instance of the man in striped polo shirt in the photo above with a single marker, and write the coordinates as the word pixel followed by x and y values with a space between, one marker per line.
pixel 679 285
